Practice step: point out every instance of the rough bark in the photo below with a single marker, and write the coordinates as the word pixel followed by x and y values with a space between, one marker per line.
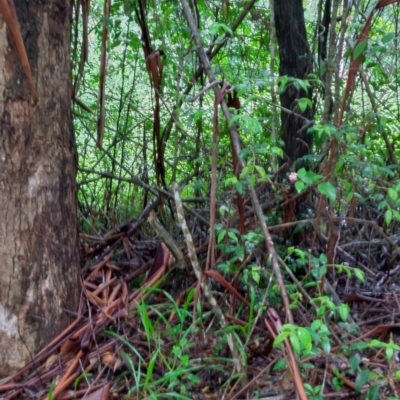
pixel 295 61
pixel 38 221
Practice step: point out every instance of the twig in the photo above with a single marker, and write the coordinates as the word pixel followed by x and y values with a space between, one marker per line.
pixel 195 263
pixel 167 239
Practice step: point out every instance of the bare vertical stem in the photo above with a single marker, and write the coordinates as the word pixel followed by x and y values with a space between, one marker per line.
pixel 274 100
pixel 236 144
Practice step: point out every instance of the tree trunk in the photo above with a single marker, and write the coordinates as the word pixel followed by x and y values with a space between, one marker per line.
pixel 295 61
pixel 38 222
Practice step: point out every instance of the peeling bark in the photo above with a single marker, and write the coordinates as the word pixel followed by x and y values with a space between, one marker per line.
pixel 38 221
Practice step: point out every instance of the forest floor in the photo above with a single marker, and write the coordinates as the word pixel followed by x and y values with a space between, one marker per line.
pixel 145 330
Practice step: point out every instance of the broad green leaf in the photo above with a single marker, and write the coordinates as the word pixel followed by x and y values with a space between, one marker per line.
pixel 301 173
pixel 214 28
pixel 339 164
pixel 388 37
pixel 197 115
pixel 226 28
pixel 280 364
pixel 305 338
pixel 354 362
pixel 392 193
pixel 233 236
pixel 294 340
pixel 280 338
pixel 299 185
pixel 255 273
pixel 388 216
pixel 250 124
pixel 321 311
pixel 396 214
pixel 261 171
pixel 389 353
pixel 235 118
pixel 316 324
pixel 277 150
pixel 244 172
pixel 359 274
pixel 303 103
pixel 361 379
pixel 221 236
pixel 328 190
pixel 239 187
pixel 373 393
pixel 326 345
pixel 359 49
pixel 344 312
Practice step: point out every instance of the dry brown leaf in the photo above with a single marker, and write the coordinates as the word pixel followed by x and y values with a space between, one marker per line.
pixel 70 345
pixel 51 361
pixel 102 393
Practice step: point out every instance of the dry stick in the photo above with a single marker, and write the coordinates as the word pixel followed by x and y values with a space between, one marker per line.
pixel 236 144
pixel 167 239
pixel 213 191
pixel 211 299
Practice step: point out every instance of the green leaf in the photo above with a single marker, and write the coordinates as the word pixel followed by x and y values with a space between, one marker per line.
pixel 197 115
pixel 388 216
pixel 316 324
pixel 280 364
pixel 239 187
pixel 294 340
pixel 388 37
pixel 359 274
pixel 299 185
pixel 339 165
pixel 354 362
pixel 392 193
pixel 255 273
pixel 362 379
pixel 344 312
pixel 280 338
pixel 396 214
pixel 328 190
pixel 261 171
pixel 359 49
pixel 221 236
pixel 250 125
pixel 321 311
pixel 305 338
pixel 235 118
pixel 326 345
pixel 303 103
pixel 214 28
pixel 245 171
pixel 277 150
pixel 373 392
pixel 226 29
pixel 389 353
pixel 233 236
